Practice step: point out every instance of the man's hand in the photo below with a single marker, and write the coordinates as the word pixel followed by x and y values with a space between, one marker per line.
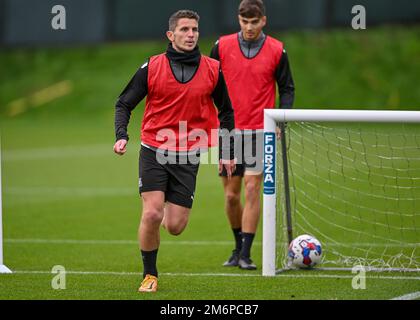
pixel 120 147
pixel 230 166
pixel 278 133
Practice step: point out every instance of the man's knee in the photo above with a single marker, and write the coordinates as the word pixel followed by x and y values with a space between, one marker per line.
pixel 252 188
pixel 232 199
pixel 152 217
pixel 176 229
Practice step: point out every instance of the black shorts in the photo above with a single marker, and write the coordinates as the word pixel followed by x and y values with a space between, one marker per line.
pixel 249 152
pixel 176 180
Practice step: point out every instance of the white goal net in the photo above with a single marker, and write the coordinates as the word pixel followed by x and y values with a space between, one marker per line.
pixel 351 179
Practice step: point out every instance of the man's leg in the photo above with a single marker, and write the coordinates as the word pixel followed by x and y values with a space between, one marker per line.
pixel 233 208
pixel 176 218
pixel 250 218
pixel 179 195
pixel 148 234
pixel 149 237
pixel 153 179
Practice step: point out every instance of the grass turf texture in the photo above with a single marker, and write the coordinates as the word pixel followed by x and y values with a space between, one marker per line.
pixel 61 179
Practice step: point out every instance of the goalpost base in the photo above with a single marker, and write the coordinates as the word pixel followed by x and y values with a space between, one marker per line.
pixel 4 269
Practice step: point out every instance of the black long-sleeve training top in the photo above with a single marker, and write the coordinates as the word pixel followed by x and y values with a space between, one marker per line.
pixel 184 66
pixel 283 74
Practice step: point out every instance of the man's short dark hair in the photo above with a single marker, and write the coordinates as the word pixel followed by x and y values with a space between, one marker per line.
pixel 251 9
pixel 189 14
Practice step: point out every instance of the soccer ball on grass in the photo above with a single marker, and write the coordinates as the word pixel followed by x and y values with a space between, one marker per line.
pixel 305 251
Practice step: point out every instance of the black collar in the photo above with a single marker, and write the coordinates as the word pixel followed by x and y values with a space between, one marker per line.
pixel 189 58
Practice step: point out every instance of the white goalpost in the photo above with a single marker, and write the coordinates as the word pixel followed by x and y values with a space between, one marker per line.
pixel 3 268
pixel 349 177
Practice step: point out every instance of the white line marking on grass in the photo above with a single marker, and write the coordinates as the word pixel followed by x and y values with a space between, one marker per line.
pixel 410 296
pixel 116 273
pixel 117 242
pixel 69 241
pixel 175 242
pixel 289 276
pixel 180 274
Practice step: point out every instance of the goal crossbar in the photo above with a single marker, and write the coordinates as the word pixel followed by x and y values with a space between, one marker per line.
pixel 273 116
pixel 314 115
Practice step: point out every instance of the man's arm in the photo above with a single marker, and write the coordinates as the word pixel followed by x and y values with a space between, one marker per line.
pixel 285 82
pixel 222 101
pixel 227 124
pixel 133 93
pixel 215 51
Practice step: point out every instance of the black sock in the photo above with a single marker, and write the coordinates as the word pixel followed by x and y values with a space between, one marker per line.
pixel 149 262
pixel 247 239
pixel 238 239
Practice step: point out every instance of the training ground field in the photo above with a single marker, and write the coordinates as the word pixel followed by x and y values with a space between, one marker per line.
pixel 68 200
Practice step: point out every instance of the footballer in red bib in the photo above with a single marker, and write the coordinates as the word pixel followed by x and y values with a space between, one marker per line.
pixel 252 63
pixel 186 98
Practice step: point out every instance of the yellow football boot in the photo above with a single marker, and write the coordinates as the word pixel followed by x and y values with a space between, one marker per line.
pixel 149 284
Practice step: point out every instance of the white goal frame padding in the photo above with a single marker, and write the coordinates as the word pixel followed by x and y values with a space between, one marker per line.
pixel 271 117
